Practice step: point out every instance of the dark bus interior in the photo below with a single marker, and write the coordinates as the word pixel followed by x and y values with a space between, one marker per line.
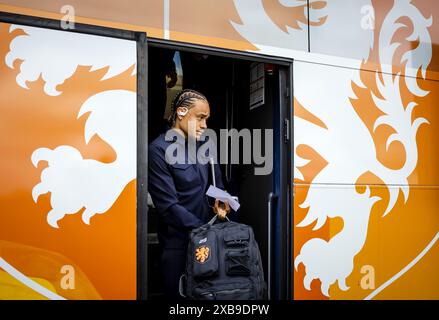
pixel 225 81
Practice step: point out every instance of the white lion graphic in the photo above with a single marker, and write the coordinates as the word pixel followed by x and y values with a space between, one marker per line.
pixel 75 182
pixel 64 51
pixel 345 143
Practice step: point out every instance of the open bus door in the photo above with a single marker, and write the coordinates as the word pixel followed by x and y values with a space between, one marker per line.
pixel 76 111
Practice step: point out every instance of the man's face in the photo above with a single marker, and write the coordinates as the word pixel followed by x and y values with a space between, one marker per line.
pixel 194 122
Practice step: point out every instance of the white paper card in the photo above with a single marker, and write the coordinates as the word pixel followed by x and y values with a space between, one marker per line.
pixel 223 196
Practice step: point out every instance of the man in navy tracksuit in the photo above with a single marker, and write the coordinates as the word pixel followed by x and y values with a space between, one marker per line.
pixel 178 189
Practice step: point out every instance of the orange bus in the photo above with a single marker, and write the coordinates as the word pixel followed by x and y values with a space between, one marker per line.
pixel 348 89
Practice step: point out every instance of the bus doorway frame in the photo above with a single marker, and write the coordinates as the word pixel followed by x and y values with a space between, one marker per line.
pixel 282 199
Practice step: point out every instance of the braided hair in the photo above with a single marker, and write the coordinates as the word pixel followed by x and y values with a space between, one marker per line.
pixel 184 98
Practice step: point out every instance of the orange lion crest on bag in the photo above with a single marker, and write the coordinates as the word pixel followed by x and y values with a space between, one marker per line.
pixel 202 254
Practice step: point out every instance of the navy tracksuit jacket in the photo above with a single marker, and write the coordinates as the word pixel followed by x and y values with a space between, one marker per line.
pixel 178 193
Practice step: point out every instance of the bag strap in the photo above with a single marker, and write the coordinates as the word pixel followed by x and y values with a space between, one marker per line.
pixel 212 221
pixel 181 287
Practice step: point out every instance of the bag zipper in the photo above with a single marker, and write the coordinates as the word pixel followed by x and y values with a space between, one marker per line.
pixel 231 291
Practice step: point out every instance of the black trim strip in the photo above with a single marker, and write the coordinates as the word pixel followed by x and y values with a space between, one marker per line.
pixel 285 155
pixel 309 27
pixel 53 24
pixel 142 167
pixel 227 53
pixel 290 206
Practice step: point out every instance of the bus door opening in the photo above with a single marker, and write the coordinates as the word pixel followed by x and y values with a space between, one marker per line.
pixel 244 96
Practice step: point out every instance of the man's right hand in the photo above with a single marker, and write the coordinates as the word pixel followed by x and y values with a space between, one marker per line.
pixel 221 209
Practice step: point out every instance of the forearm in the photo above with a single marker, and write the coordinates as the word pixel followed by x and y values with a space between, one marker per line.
pixel 179 217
